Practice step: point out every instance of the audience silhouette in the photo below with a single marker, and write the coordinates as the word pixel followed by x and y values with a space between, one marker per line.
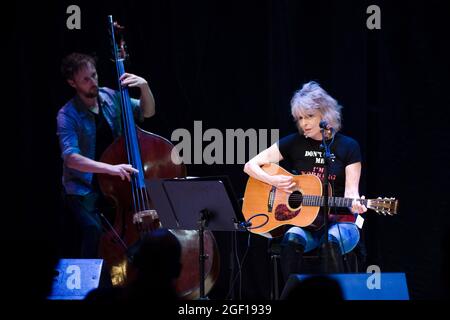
pixel 156 260
pixel 312 288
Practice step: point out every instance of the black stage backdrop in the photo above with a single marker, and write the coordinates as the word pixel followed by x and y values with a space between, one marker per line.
pixel 236 64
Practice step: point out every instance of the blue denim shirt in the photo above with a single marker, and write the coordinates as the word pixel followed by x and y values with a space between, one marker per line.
pixel 76 133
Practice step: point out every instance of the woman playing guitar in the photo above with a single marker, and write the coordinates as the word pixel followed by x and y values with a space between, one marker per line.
pixel 302 151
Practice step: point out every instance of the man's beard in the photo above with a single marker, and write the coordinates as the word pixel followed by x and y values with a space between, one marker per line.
pixel 93 93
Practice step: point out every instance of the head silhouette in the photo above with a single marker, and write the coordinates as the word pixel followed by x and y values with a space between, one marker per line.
pixel 156 264
pixel 158 256
pixel 313 288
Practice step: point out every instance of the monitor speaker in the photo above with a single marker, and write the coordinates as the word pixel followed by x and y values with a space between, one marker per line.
pixel 351 286
pixel 74 278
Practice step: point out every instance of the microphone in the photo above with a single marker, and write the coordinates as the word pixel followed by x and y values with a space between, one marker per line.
pixel 324 125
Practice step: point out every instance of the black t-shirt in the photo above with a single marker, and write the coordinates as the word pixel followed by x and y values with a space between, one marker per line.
pixel 103 138
pixel 305 156
pixel 103 135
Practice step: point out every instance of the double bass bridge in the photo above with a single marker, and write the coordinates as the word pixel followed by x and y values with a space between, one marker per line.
pixel 141 216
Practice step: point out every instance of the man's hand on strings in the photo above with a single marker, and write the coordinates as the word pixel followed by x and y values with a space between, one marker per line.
pixel 122 170
pixel 132 80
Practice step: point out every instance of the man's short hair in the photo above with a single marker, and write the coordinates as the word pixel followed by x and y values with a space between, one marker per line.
pixel 72 63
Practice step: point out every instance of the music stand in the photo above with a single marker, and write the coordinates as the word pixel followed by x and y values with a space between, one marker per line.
pixel 206 203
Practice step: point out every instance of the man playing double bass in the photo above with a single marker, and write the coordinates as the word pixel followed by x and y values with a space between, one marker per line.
pixel 86 126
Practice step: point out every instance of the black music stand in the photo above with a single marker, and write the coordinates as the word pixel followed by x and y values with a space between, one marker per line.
pixel 206 203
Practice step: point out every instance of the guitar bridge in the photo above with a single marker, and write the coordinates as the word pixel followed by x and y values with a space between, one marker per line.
pixel 271 199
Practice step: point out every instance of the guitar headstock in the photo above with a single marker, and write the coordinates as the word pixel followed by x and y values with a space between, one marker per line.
pixel 383 205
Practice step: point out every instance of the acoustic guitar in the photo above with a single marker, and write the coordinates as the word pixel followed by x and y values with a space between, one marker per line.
pixel 266 208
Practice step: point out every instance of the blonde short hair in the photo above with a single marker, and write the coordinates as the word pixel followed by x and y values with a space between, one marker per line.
pixel 312 97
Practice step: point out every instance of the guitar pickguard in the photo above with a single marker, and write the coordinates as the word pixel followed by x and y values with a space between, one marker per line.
pixel 283 213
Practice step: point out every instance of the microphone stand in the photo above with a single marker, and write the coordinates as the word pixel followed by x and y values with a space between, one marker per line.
pixel 204 216
pixel 326 246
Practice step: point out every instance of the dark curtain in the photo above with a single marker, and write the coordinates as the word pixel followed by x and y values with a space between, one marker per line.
pixel 236 64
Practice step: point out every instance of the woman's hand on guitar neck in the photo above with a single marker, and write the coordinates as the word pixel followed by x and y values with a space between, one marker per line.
pixel 357 207
pixel 282 182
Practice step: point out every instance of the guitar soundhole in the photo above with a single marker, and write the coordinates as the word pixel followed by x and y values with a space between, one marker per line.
pixel 295 200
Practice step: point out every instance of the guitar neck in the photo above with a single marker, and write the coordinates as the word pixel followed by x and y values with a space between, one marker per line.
pixel 319 201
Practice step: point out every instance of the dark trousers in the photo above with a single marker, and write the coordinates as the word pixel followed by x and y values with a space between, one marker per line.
pixel 84 212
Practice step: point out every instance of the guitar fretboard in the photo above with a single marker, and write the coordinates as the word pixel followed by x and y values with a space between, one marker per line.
pixel 319 201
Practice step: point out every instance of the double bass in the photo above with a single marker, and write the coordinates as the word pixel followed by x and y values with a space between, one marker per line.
pixel 134 213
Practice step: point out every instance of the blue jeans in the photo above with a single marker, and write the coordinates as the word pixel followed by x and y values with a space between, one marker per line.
pixel 345 234
pixel 86 214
